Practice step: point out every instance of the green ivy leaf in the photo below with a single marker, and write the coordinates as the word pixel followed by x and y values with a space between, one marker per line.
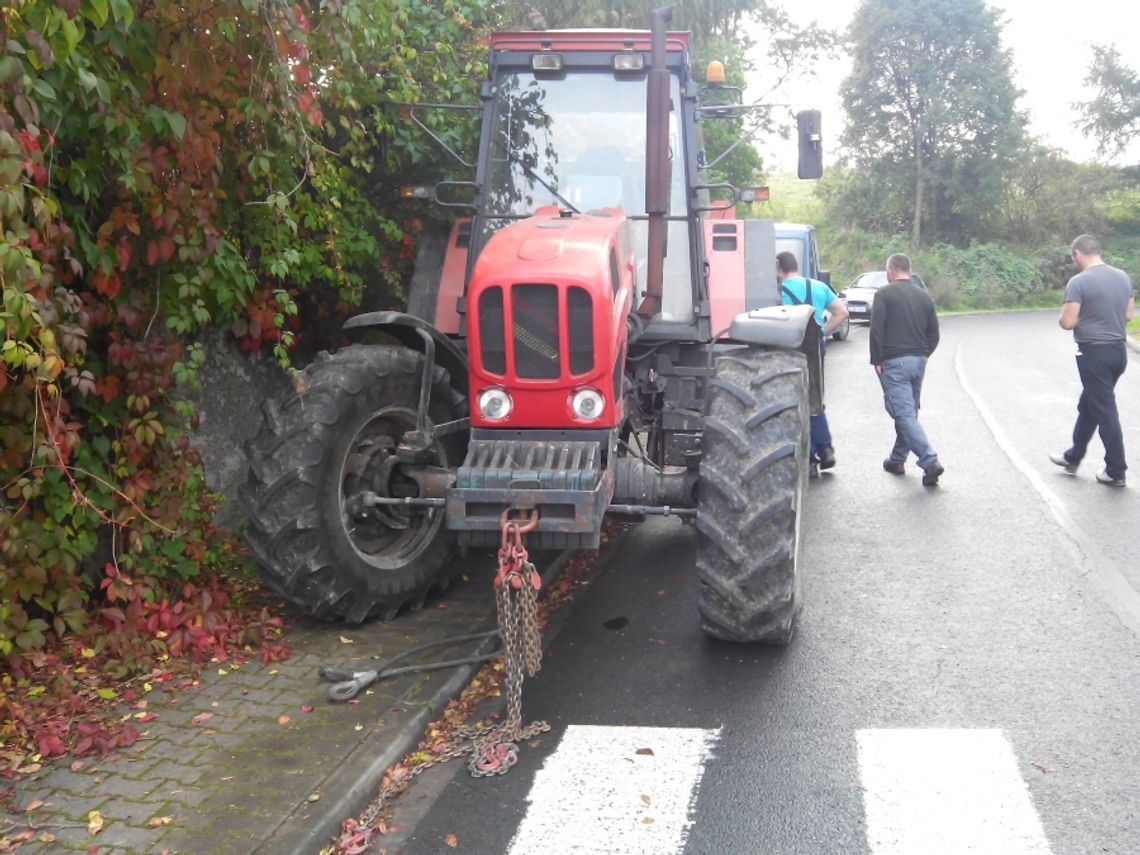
pixel 177 123
pixel 96 12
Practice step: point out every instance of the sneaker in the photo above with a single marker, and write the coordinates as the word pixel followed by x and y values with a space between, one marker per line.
pixel 813 471
pixel 1108 480
pixel 932 474
pixel 893 467
pixel 1061 460
pixel 826 457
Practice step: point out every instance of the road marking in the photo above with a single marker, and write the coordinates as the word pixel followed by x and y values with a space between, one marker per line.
pixel 628 790
pixel 946 792
pixel 1116 591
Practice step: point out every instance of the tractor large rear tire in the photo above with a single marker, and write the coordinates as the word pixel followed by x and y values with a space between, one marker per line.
pixel 753 475
pixel 330 441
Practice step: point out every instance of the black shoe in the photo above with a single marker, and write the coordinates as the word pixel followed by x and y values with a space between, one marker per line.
pixel 894 468
pixel 1061 460
pixel 932 474
pixel 826 457
pixel 1108 480
pixel 813 471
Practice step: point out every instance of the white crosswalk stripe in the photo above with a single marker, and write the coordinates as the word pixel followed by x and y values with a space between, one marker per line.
pixel 946 792
pixel 628 790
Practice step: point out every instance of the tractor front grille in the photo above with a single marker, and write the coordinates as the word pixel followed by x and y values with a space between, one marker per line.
pixel 535 330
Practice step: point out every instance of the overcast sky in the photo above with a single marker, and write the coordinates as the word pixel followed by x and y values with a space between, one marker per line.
pixel 1051 45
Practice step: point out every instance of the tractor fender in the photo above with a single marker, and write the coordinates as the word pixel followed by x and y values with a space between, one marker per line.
pixel 790 328
pixel 404 328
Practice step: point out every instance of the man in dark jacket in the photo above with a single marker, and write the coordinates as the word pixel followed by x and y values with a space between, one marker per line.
pixel 904 332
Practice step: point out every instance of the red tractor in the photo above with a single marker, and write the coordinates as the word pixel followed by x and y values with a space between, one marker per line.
pixel 599 335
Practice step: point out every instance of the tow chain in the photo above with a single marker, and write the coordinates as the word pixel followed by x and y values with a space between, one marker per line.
pixel 491 750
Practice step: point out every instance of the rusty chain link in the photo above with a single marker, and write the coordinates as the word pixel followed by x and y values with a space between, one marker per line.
pixel 492 749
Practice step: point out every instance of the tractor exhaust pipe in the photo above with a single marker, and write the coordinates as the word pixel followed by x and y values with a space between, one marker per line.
pixel 657 166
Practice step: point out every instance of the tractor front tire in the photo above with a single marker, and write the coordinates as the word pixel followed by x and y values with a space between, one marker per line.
pixel 321 446
pixel 753 474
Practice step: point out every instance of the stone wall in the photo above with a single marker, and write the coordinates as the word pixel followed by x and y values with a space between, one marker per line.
pixel 234 386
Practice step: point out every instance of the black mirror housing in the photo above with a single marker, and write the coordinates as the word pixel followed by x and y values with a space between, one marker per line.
pixel 810 144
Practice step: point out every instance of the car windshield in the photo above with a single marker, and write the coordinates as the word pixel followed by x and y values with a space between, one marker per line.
pixel 872 279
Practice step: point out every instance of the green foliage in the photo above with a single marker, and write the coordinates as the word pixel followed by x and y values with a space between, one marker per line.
pixel 1112 117
pixel 166 167
pixel 932 123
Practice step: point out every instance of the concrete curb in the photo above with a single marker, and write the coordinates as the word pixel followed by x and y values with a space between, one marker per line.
pixel 358 776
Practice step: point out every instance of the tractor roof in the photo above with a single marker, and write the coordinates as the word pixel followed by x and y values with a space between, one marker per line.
pixel 584 40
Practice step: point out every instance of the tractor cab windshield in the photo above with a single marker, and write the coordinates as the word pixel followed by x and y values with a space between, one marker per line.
pixel 578 142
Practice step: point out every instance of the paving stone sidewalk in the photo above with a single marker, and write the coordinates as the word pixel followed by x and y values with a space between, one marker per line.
pixel 221 769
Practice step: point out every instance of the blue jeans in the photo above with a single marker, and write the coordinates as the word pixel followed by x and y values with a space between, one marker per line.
pixel 820 434
pixel 1100 366
pixel 820 430
pixel 902 390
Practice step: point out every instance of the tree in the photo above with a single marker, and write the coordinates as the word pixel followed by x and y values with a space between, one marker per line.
pixel 1113 116
pixel 931 107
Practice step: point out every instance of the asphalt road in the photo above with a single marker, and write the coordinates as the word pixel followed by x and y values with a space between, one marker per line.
pixel 992 621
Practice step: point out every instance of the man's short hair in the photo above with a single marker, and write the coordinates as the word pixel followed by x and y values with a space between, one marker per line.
pixel 899 263
pixel 1087 245
pixel 786 262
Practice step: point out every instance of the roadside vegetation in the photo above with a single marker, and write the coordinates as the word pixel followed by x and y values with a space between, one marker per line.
pixel 172 168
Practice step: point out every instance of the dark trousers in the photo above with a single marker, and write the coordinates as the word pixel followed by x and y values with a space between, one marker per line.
pixel 1100 366
pixel 820 430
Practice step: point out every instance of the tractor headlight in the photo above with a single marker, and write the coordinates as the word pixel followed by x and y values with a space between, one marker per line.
pixel 588 404
pixel 495 404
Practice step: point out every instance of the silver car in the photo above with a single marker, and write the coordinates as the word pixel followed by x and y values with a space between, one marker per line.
pixel 859 296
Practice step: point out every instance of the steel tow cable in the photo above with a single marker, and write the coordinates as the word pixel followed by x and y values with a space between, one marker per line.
pixel 492 750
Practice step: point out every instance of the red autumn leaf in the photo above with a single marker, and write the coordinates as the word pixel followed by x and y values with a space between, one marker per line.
pixel 451 840
pixel 123 249
pixel 316 117
pixel 305 100
pixel 306 708
pixel 202 717
pixel 106 284
pixel 152 254
pixel 166 248
pixel 302 74
pixel 107 388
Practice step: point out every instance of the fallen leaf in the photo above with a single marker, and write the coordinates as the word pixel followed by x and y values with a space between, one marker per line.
pixel 314 797
pixel 306 708
pixel 202 717
pixel 648 751
pixel 346 640
pixel 358 727
pixel 273 671
pixel 1040 767
pixel 648 821
pixel 222 672
pixel 76 765
pixel 283 719
pixel 33 804
pixel 646 800
pixel 451 840
pixel 156 821
pixel 94 822
pixel 46 837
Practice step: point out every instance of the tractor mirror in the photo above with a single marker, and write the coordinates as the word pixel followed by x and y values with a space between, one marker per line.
pixel 811 144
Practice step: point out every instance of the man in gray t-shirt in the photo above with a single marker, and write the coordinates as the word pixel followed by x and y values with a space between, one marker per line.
pixel 1098 304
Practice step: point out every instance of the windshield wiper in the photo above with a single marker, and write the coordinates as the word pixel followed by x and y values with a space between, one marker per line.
pixel 530 173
